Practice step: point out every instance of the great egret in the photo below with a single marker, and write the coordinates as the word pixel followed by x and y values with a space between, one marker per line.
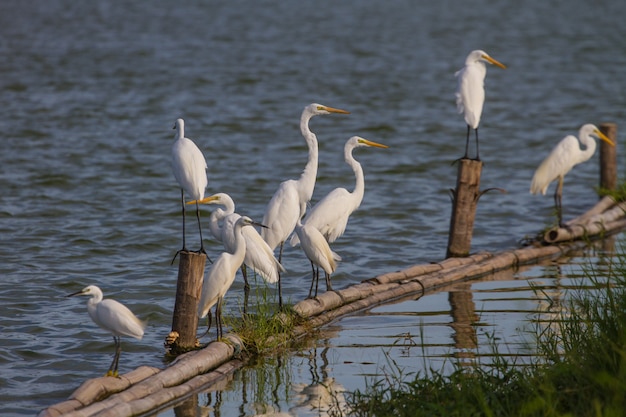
pixel 288 204
pixel 565 155
pixel 222 274
pixel 317 249
pixel 259 256
pixel 470 93
pixel 189 168
pixel 113 317
pixel 330 215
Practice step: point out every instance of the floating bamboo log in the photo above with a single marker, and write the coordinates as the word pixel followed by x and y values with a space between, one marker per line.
pixel 589 225
pixel 148 389
pixel 464 201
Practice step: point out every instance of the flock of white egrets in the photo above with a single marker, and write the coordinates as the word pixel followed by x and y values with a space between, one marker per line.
pixel 323 224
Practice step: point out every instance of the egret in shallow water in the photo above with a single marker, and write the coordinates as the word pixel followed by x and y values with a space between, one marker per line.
pixel 565 155
pixel 317 249
pixel 259 256
pixel 288 204
pixel 222 274
pixel 470 93
pixel 113 317
pixel 189 168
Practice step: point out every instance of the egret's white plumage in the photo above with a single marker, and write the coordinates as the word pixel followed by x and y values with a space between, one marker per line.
pixel 113 317
pixel 470 93
pixel 221 275
pixel 565 155
pixel 259 256
pixel 330 215
pixel 189 168
pixel 288 204
pixel 317 249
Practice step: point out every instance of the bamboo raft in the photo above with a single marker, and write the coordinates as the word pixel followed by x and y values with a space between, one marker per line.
pixel 148 389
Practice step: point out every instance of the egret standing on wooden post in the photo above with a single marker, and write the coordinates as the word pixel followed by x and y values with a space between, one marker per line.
pixel 288 204
pixel 113 317
pixel 565 155
pixel 470 93
pixel 189 168
pixel 222 274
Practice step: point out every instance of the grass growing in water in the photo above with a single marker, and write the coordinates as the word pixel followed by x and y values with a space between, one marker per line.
pixel 580 370
pixel 264 328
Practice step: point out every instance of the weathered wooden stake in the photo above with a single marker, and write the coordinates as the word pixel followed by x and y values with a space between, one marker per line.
pixel 608 158
pixel 188 290
pixel 465 199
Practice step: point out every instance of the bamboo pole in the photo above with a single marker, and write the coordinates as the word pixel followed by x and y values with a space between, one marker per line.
pixel 188 289
pixel 608 157
pixel 464 201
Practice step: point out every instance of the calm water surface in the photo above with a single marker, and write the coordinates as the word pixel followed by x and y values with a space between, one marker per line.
pixel 90 92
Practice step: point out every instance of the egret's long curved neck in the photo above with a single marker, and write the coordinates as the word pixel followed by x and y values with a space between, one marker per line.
pixel 308 176
pixel 590 147
pixel 240 244
pixel 359 187
pixel 219 214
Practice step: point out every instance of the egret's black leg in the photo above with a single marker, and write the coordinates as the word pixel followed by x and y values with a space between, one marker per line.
pixel 477 156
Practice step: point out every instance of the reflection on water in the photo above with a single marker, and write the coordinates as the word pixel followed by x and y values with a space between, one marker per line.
pixel 464 324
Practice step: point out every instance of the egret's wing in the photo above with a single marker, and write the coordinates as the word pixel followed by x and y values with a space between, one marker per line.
pixel 281 215
pixel 118 319
pixel 189 168
pixel 558 163
pixel 260 257
pixel 316 248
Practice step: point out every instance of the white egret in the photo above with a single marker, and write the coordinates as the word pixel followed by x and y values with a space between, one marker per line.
pixel 222 274
pixel 330 215
pixel 470 93
pixel 259 256
pixel 189 168
pixel 288 204
pixel 565 155
pixel 114 317
pixel 317 249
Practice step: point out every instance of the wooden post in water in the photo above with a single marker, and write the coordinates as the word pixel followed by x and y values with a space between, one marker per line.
pixel 465 199
pixel 188 290
pixel 608 158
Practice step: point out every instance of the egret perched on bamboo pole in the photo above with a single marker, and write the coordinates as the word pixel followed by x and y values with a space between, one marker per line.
pixel 189 168
pixel 220 277
pixel 113 317
pixel 565 155
pixel 470 93
pixel 288 204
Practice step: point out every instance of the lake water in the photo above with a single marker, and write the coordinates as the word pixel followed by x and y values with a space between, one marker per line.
pixel 91 90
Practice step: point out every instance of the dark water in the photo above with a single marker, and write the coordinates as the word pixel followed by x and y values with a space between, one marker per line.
pixel 90 91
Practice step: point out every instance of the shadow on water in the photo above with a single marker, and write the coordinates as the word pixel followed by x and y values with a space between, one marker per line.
pixel 471 323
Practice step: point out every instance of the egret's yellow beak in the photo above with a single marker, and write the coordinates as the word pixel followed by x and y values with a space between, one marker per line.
pixel 494 62
pixel 603 137
pixel 205 200
pixel 333 110
pixel 370 143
